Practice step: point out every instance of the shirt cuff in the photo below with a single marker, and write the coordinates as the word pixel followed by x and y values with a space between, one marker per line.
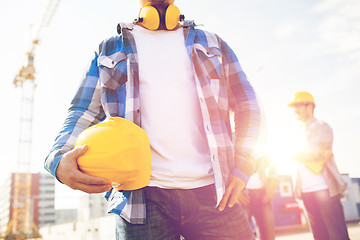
pixel 238 173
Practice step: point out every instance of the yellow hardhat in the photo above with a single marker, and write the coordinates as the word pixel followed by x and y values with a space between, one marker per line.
pixel 119 151
pixel 301 98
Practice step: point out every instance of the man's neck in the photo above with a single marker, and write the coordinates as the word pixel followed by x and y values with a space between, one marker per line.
pixel 161 27
pixel 305 121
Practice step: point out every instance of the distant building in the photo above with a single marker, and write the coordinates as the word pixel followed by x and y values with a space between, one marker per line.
pixel 92 223
pixel 356 191
pixel 5 195
pixel 65 215
pixel 351 199
pixel 27 201
pixel 92 206
pixel 92 229
pixel 46 200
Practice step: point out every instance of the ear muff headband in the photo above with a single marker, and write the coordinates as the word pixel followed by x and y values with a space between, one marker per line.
pixel 150 17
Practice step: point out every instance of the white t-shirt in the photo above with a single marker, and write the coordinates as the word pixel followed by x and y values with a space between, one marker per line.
pixel 310 182
pixel 171 113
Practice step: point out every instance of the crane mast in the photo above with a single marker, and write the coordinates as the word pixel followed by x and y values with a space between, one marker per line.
pixel 21 224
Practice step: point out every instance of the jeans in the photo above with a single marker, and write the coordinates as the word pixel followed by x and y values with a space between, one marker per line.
pixel 190 213
pixel 326 215
pixel 262 212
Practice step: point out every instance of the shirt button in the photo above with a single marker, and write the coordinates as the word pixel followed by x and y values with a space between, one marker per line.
pixel 138 111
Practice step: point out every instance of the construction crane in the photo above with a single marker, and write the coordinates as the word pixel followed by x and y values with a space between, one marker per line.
pixel 21 223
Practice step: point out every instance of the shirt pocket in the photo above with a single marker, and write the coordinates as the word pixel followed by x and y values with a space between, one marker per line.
pixel 210 59
pixel 113 70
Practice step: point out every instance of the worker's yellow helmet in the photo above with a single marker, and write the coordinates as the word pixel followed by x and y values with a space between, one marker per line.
pixel 119 151
pixel 302 98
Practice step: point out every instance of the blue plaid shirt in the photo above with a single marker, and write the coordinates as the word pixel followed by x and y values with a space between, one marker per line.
pixel 111 88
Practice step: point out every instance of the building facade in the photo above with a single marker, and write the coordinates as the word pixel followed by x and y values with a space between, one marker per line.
pixel 93 229
pixel 5 193
pixel 92 206
pixel 26 203
pixel 65 215
pixel 46 200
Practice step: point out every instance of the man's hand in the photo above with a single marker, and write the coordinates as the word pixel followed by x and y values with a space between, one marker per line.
pixel 300 157
pixel 68 173
pixel 234 187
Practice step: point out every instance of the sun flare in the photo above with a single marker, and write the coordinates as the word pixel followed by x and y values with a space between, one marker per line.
pixel 282 145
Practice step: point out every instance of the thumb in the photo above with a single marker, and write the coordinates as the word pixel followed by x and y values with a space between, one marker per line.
pixel 78 151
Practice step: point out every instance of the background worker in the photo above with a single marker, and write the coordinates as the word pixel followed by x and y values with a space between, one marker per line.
pixel 258 195
pixel 178 83
pixel 319 183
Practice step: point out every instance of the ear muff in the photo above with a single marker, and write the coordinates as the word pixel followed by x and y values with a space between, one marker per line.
pixel 172 17
pixel 150 17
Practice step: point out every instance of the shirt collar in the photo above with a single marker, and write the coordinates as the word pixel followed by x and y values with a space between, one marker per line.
pixel 309 123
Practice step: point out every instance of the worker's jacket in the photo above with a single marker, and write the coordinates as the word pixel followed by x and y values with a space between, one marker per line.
pixel 111 88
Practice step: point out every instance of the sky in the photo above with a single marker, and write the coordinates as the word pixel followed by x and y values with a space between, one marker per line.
pixel 283 47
